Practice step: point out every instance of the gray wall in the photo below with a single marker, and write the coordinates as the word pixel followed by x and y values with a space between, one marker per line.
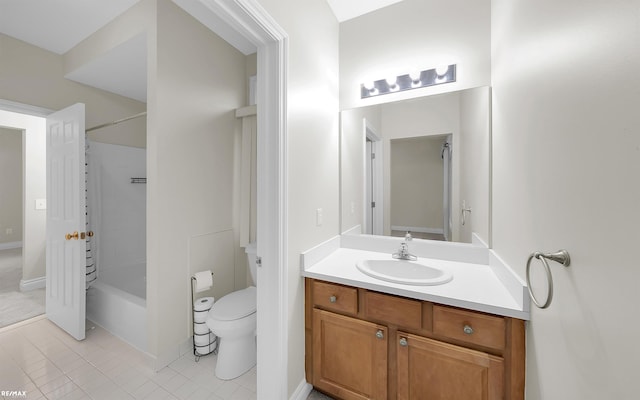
pixel 11 188
pixel 566 167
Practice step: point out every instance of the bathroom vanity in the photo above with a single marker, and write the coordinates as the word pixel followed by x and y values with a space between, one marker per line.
pixel 370 339
pixel 362 344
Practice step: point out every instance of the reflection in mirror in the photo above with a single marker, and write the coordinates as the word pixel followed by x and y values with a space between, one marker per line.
pixel 420 183
pixel 419 165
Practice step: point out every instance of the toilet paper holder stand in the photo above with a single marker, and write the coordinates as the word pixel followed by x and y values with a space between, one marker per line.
pixel 193 309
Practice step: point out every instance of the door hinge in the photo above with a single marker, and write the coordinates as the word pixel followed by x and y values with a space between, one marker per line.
pixel 373 204
pixel 373 156
pixel 259 261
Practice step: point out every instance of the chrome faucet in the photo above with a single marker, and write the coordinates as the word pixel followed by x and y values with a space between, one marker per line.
pixel 403 252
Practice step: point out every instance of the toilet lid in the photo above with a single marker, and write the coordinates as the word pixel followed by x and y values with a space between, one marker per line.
pixel 234 305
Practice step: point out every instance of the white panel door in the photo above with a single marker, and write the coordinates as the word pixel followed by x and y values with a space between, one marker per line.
pixel 66 246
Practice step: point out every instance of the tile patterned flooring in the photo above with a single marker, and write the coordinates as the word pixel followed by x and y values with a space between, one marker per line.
pixel 16 305
pixel 38 357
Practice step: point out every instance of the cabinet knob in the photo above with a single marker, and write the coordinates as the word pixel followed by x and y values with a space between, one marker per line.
pixel 467 330
pixel 380 334
pixel 403 342
pixel 333 299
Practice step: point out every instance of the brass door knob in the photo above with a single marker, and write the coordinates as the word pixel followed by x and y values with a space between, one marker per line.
pixel 75 235
pixel 90 233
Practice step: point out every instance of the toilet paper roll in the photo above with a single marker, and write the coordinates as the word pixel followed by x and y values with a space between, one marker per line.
pixel 204 280
pixel 203 304
pixel 201 308
pixel 206 349
pixel 200 329
pixel 204 340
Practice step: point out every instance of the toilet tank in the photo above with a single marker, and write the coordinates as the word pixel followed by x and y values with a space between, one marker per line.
pixel 250 249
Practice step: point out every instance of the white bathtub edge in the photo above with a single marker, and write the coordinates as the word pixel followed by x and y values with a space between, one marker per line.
pixel 120 313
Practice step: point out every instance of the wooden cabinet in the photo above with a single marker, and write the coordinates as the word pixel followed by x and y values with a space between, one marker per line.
pixel 362 344
pixel 434 370
pixel 350 356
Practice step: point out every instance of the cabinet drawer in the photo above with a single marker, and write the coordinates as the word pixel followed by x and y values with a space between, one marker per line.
pixel 481 329
pixel 335 297
pixel 403 312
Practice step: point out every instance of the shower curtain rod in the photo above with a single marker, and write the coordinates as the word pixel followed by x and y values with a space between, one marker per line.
pixel 142 114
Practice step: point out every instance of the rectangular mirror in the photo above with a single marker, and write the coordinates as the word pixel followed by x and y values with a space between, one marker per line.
pixel 420 165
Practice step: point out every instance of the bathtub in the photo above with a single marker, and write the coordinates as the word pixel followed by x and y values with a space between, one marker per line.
pixel 116 301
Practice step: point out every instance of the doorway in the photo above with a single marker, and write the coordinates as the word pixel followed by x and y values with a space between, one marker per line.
pixel 22 227
pixel 373 190
pixel 420 186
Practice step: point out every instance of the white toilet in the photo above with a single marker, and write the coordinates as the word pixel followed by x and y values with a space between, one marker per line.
pixel 233 320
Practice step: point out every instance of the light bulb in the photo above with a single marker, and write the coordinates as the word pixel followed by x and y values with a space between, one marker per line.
pixel 391 81
pixel 369 85
pixel 415 76
pixel 442 70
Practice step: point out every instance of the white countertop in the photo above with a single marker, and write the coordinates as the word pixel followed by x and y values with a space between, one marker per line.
pixel 474 286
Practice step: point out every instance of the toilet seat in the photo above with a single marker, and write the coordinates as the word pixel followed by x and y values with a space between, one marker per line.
pixel 235 305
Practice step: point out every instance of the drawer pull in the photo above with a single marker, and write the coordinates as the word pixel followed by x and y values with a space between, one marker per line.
pixel 467 330
pixel 403 342
pixel 380 334
pixel 333 299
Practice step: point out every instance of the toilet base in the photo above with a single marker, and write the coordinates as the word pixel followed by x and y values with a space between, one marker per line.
pixel 235 356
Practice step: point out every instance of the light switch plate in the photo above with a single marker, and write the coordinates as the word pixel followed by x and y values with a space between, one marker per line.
pixel 41 204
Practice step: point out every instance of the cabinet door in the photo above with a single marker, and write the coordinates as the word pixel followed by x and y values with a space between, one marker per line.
pixel 349 357
pixel 433 370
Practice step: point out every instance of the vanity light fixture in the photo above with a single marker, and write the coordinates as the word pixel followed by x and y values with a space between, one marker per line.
pixel 413 80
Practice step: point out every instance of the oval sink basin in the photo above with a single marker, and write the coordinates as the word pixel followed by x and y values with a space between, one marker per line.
pixel 405 272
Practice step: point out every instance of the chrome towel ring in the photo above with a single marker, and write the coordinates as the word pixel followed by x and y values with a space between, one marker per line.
pixel 562 257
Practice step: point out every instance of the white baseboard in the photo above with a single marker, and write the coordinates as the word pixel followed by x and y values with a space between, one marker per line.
pixel 302 391
pixel 10 245
pixel 32 284
pixel 417 229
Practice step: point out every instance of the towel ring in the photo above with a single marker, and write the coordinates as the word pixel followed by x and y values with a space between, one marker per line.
pixel 562 257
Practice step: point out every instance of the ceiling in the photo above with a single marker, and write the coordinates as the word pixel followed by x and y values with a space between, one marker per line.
pixel 62 24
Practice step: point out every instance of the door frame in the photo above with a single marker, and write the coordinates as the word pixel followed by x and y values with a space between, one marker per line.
pixel 370 134
pixel 32 121
pixel 254 24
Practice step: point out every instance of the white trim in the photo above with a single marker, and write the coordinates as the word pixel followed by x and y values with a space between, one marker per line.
pixel 302 391
pixel 10 245
pixel 217 24
pixel 33 284
pixel 369 132
pixel 22 108
pixel 417 229
pixel 252 21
